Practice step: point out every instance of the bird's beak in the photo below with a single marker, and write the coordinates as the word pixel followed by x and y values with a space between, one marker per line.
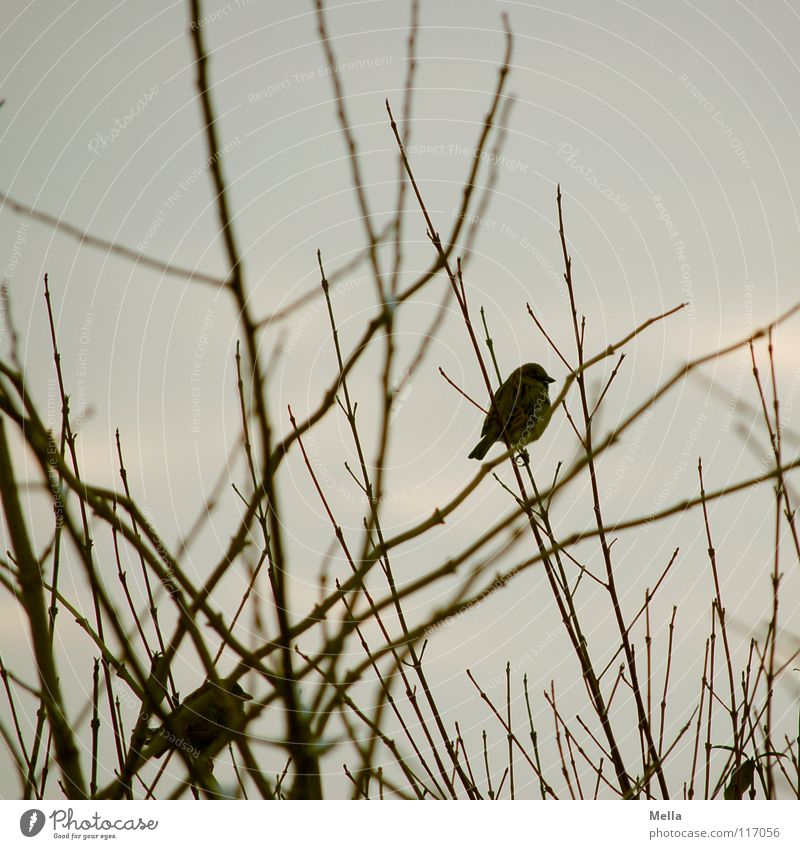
pixel 550 379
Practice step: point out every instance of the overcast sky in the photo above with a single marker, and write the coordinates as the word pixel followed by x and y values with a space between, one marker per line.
pixel 673 131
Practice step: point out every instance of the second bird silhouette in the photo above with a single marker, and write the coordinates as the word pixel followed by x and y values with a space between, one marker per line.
pixel 205 716
pixel 520 410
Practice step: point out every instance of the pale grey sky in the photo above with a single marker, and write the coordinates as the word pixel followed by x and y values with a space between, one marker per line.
pixel 673 130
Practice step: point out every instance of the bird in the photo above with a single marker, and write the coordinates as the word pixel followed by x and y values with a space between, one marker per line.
pixel 211 713
pixel 741 780
pixel 520 410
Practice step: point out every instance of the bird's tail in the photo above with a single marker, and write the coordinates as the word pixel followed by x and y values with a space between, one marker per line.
pixel 479 451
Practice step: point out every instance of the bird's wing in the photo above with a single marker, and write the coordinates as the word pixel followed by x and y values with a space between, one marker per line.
pixel 212 714
pixel 202 731
pixel 176 729
pixel 504 400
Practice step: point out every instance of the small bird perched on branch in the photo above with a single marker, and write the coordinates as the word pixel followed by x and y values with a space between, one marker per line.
pixel 520 410
pixel 210 713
